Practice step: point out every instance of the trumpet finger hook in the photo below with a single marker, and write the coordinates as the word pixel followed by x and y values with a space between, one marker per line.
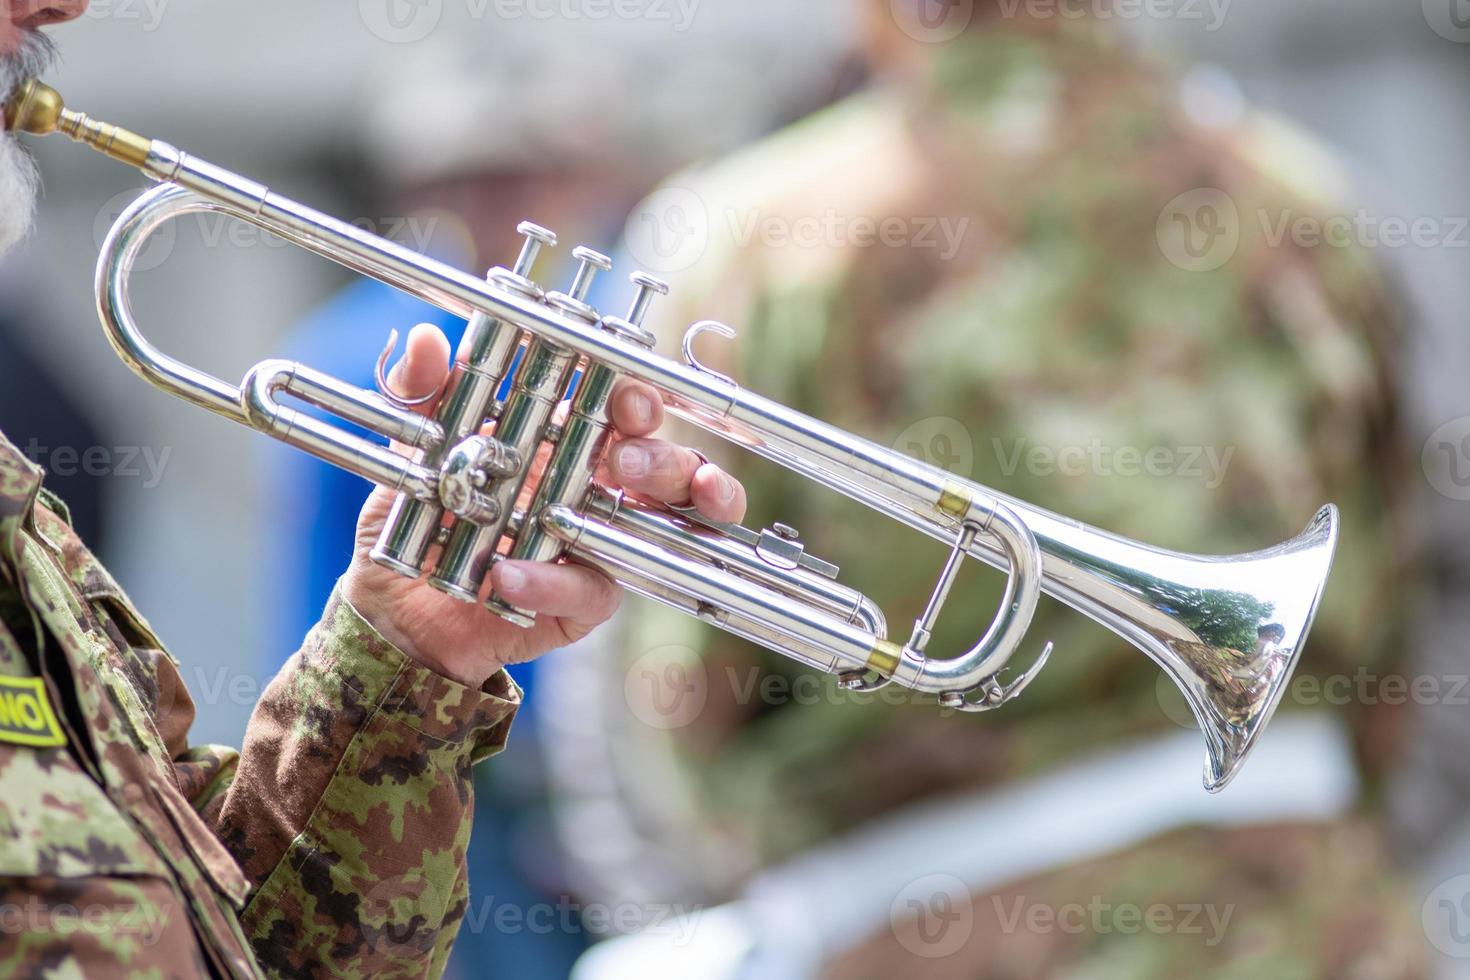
pixel 992 693
pixel 386 389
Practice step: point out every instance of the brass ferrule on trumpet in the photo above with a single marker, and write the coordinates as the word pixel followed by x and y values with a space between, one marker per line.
pixel 1228 630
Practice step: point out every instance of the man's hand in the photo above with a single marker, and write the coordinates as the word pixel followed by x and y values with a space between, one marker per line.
pixel 468 642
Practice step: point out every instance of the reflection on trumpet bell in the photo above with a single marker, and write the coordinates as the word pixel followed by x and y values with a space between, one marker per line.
pixel 1246 631
pixel 1228 630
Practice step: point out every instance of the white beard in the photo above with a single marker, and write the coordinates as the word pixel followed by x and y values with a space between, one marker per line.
pixel 18 186
pixel 19 180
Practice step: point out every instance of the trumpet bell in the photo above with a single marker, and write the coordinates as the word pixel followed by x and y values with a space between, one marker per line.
pixel 1238 628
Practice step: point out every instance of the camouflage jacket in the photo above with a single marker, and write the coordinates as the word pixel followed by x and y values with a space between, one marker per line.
pixel 332 844
pixel 1036 265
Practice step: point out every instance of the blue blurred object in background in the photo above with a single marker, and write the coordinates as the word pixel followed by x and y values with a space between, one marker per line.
pixel 311 545
pixel 312 540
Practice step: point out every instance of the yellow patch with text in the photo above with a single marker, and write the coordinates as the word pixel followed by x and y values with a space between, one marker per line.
pixel 26 717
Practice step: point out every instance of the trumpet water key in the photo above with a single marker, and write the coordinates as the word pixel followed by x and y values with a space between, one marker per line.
pixel 1228 629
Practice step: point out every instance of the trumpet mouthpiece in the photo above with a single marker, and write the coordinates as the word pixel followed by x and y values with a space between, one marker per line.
pixel 34 108
pixel 37 108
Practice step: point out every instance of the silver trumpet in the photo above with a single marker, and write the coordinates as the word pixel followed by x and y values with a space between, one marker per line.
pixel 1228 630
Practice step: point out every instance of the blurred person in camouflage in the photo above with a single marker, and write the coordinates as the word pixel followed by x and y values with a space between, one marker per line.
pixel 1027 254
pixel 334 842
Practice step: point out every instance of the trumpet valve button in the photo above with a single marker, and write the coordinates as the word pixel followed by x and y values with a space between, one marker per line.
pixel 648 287
pixel 535 238
pixel 590 262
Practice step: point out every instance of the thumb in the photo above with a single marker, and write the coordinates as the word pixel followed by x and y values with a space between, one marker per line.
pixel 423 367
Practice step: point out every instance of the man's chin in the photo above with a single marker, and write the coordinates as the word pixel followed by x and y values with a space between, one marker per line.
pixel 18 186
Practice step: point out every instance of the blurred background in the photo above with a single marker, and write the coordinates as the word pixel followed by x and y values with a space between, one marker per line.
pixel 441 123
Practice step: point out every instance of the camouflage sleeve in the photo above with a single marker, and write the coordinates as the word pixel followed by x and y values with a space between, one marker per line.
pixel 349 807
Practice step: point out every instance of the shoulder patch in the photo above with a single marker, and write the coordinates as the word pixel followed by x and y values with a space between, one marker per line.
pixel 26 717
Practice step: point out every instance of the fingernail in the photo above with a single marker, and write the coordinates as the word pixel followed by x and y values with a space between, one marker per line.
pixel 512 579
pixel 633 460
pixel 727 488
pixel 643 409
